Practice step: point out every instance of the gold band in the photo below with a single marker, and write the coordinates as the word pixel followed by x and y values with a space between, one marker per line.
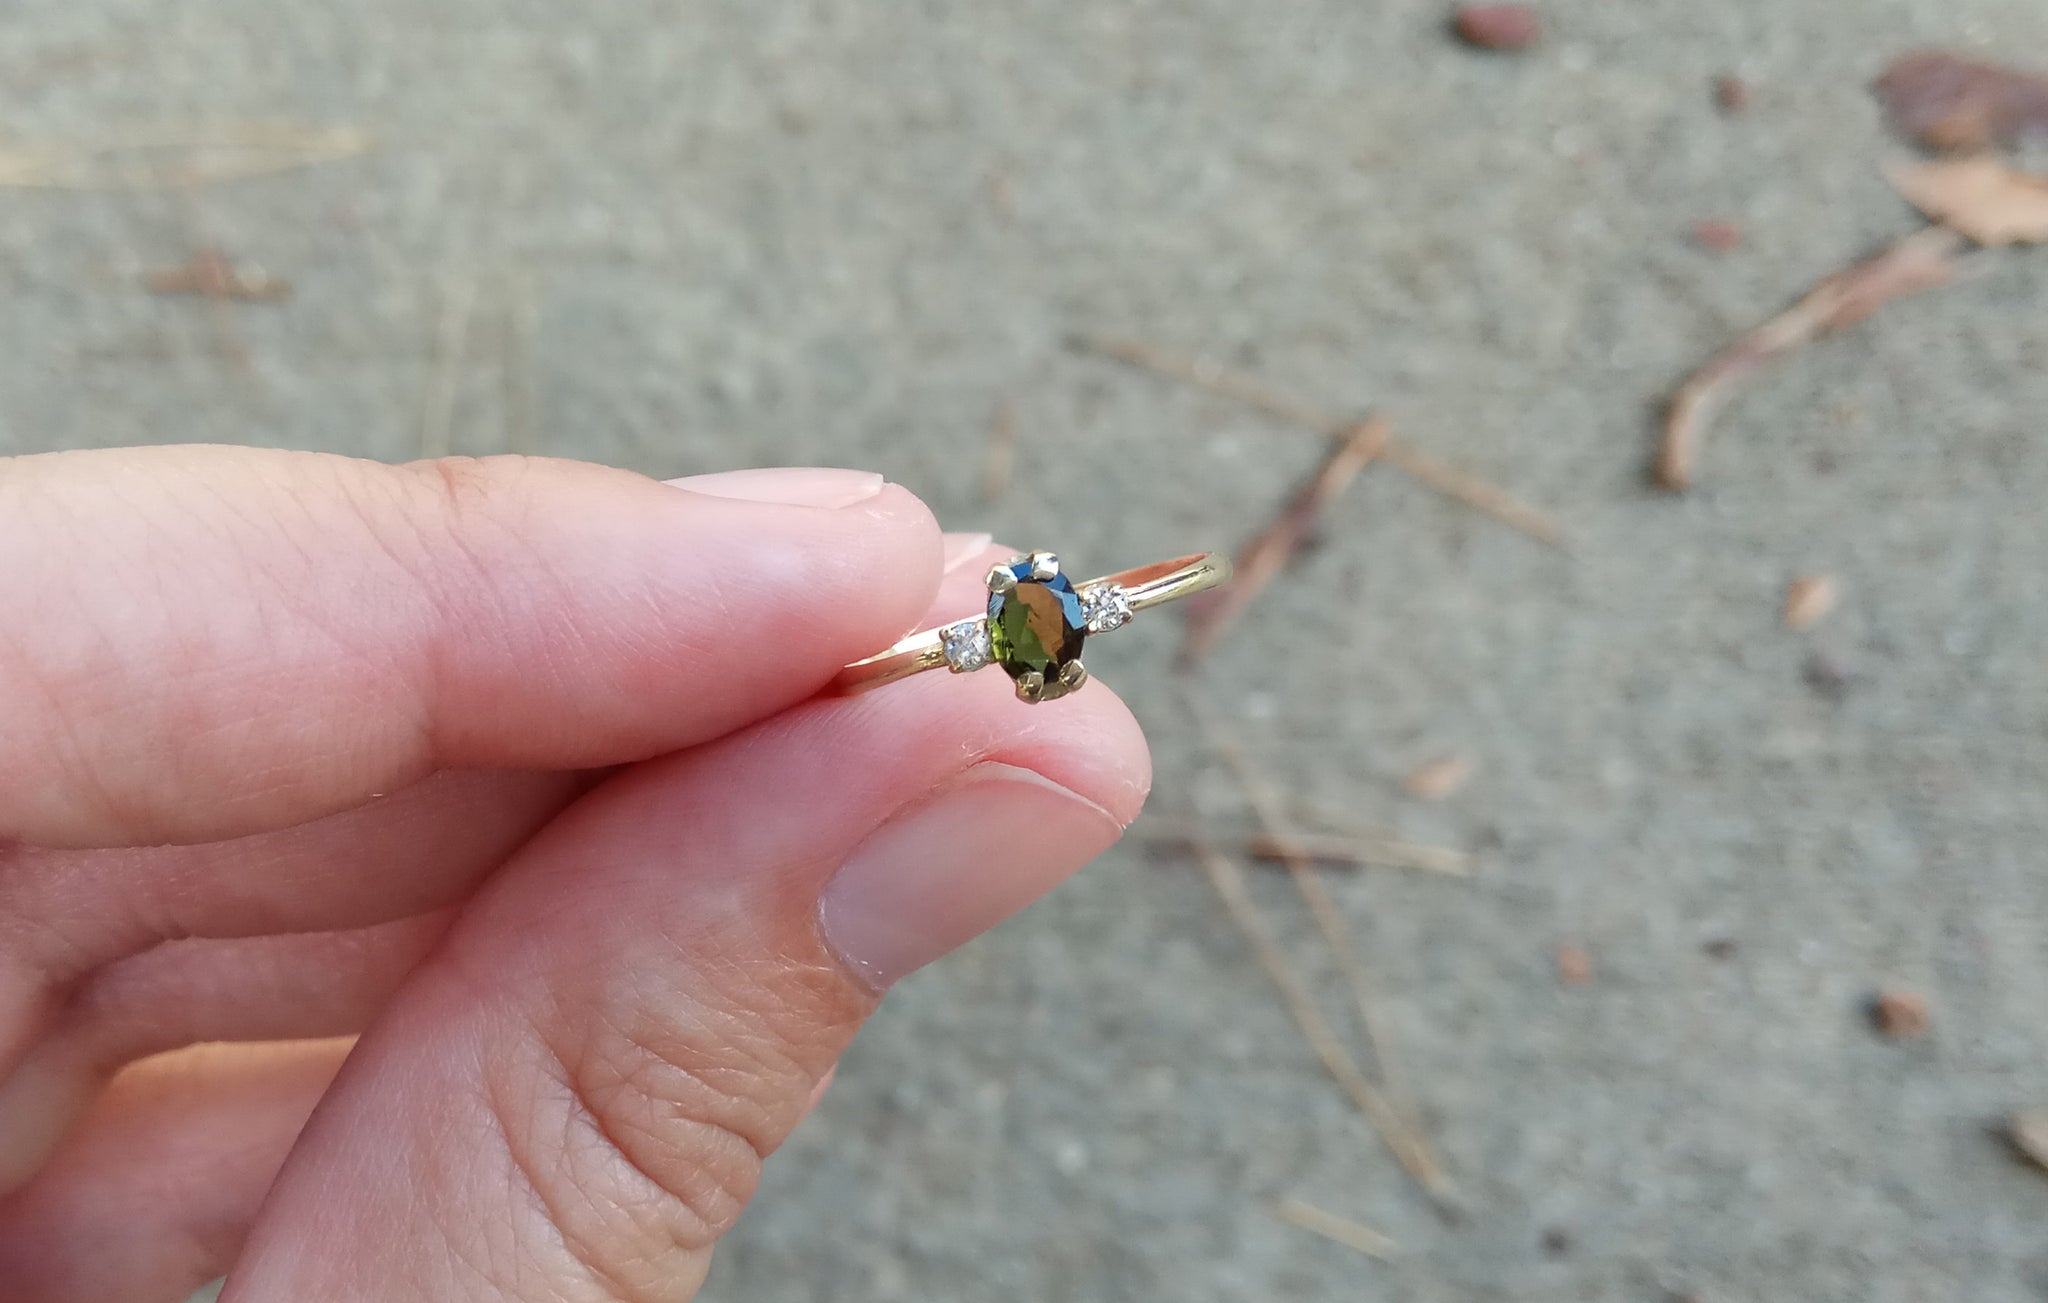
pixel 1138 590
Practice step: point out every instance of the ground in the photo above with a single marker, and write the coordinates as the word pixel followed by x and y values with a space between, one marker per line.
pixel 686 236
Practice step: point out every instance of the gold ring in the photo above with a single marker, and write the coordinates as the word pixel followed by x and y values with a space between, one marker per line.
pixel 1037 621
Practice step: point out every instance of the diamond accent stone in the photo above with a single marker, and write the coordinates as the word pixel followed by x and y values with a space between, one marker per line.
pixel 966 645
pixel 1105 607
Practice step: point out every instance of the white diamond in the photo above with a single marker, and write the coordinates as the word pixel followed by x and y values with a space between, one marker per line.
pixel 966 645
pixel 1105 607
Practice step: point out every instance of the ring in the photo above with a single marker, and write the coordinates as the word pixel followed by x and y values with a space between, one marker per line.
pixel 1037 621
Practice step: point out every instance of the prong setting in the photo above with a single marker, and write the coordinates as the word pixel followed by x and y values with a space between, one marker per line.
pixel 966 646
pixel 1106 606
pixel 1001 580
pixel 1045 567
pixel 1072 675
pixel 1031 688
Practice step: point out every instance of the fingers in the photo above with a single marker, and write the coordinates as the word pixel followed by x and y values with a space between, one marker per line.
pixel 419 849
pixel 73 911
pixel 573 1097
pixel 64 912
pixel 153 1194
pixel 206 642
pixel 184 992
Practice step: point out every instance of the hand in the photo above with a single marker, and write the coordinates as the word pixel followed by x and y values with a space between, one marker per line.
pixel 514 767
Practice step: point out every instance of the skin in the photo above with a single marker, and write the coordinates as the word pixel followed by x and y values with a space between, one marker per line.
pixel 447 882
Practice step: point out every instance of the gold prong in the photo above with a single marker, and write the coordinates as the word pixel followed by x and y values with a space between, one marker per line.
pixel 1000 580
pixel 1044 566
pixel 1031 687
pixel 1072 675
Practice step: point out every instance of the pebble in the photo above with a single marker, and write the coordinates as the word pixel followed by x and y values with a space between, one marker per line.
pixel 1900 1015
pixel 1498 27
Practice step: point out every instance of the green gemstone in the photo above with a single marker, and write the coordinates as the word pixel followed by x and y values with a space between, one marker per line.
pixel 1036 626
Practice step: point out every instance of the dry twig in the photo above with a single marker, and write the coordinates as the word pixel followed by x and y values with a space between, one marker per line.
pixel 1345 1231
pixel 1358 851
pixel 1481 496
pixel 451 342
pixel 1391 1113
pixel 1000 462
pixel 177 160
pixel 521 326
pixel 1212 613
pixel 1922 261
pixel 1414 1157
pixel 208 273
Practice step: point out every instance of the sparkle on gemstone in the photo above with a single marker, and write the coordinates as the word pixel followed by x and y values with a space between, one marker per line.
pixel 966 645
pixel 1036 626
pixel 1106 607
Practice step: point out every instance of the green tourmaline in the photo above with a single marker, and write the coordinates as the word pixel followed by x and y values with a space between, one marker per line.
pixel 1037 625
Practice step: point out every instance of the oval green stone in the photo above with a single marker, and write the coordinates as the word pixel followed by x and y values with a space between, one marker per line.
pixel 1037 625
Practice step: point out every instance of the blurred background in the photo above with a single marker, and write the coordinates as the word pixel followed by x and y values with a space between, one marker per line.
pixel 1692 868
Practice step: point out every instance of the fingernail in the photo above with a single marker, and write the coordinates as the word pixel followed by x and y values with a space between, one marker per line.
pixel 962 548
pixel 941 874
pixel 796 486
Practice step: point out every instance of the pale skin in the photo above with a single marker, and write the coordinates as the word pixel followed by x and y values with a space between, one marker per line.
pixel 517 770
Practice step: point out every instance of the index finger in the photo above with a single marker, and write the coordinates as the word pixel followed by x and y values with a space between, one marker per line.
pixel 198 643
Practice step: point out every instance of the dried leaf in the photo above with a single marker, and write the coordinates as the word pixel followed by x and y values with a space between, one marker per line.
pixel 1948 102
pixel 1924 260
pixel 1211 614
pixel 1808 599
pixel 1574 966
pixel 2030 1135
pixel 1439 779
pixel 1983 198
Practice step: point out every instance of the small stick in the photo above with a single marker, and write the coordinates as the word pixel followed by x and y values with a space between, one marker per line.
pixel 1476 493
pixel 1337 935
pixel 1349 1233
pixel 1001 460
pixel 1924 260
pixel 247 151
pixel 1416 1159
pixel 522 324
pixel 1211 615
pixel 1211 378
pixel 209 273
pixel 1358 852
pixel 450 342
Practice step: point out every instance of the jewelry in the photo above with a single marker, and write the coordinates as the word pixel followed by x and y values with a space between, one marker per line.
pixel 1036 623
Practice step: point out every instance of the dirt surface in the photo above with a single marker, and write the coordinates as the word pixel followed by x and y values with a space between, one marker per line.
pixel 680 237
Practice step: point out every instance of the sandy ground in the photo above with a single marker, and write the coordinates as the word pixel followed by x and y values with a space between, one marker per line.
pixel 679 237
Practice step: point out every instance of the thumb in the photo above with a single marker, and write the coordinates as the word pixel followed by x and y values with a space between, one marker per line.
pixel 572 1100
